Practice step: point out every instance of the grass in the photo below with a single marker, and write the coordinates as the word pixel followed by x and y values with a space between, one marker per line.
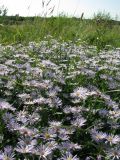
pixel 24 30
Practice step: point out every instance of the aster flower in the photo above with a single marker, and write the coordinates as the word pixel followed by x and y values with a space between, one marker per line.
pixel 113 153
pixel 114 113
pixel 10 122
pixel 74 110
pixel 80 93
pixel 63 136
pixel 27 141
pixel 7 154
pixel 22 116
pixel 52 93
pixel 43 151
pixel 57 102
pixel 69 156
pixel 69 146
pixel 28 132
pixel 12 125
pixel 26 145
pixel 48 134
pixel 54 102
pixel 24 96
pixel 34 118
pixel 98 136
pixel 67 131
pixel 8 117
pixel 52 144
pixel 41 100
pixel 112 139
pixel 79 122
pixel 23 148
pixel 6 105
pixel 55 124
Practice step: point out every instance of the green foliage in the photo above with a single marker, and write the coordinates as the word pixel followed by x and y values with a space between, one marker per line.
pixel 100 31
pixel 103 24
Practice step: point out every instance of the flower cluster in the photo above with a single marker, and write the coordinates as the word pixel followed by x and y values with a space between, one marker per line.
pixel 59 101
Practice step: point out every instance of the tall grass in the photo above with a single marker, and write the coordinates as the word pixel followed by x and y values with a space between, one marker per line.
pixel 99 31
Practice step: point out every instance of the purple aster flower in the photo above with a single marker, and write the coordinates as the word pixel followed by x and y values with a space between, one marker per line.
pixel 113 153
pixel 112 139
pixel 98 136
pixel 80 93
pixel 43 151
pixel 69 156
pixel 6 105
pixel 79 122
pixel 7 154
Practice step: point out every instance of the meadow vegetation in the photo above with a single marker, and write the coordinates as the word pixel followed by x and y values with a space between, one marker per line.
pixel 59 88
pixel 99 31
